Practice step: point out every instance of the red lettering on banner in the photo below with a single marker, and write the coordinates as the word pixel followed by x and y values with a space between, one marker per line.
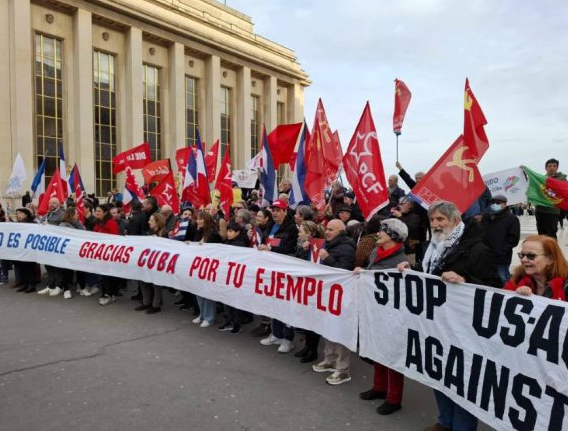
pixel 258 281
pixel 294 290
pixel 206 268
pixel 335 299
pixel 105 252
pixel 309 289
pixel 171 269
pixel 161 260
pixel 319 296
pixel 279 285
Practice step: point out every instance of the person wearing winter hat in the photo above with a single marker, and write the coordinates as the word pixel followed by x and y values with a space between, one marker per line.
pixel 389 252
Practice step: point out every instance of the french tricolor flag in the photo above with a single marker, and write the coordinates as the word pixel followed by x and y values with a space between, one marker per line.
pixel 267 173
pixel 298 195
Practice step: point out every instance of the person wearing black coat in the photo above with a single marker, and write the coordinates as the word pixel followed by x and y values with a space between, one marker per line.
pixel 502 234
pixel 338 252
pixel 283 239
pixel 458 254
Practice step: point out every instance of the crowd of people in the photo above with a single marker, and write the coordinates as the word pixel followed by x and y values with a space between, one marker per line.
pixel 474 247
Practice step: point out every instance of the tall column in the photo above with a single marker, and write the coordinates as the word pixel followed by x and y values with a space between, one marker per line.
pixel 270 103
pixel 241 146
pixel 21 89
pixel 177 98
pixel 133 128
pixel 81 147
pixel 212 129
pixel 296 103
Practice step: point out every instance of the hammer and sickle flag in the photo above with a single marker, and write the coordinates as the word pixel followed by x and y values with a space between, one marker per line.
pixel 455 178
pixel 473 124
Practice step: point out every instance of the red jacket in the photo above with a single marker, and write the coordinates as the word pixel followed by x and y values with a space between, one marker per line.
pixel 556 286
pixel 110 227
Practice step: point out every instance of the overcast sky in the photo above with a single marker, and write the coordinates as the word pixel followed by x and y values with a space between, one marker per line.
pixel 515 54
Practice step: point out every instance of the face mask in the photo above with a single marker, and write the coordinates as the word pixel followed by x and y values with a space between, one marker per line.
pixel 495 208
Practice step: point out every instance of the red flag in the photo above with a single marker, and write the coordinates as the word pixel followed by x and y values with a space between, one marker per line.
pixel 333 158
pixel 364 167
pixel 455 178
pixel 55 189
pixel 156 171
pixel 166 193
pixel 182 158
pixel 402 97
pixel 473 122
pixel 315 181
pixel 79 200
pixel 224 184
pixel 211 161
pixel 282 141
pixel 136 158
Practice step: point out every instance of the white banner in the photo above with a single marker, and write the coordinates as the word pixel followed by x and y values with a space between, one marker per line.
pixel 501 356
pixel 295 291
pixel 246 179
pixel 510 183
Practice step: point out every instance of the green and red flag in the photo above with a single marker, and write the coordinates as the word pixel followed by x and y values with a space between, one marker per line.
pixel 546 191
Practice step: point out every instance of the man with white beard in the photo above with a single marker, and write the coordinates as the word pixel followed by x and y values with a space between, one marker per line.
pixel 457 254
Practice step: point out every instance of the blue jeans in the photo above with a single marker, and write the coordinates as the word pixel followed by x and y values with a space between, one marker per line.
pixel 504 273
pixel 280 330
pixel 453 416
pixel 207 308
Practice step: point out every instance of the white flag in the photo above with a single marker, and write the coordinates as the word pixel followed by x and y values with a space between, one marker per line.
pixel 19 175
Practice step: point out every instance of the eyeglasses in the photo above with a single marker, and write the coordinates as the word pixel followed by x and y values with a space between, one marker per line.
pixel 529 256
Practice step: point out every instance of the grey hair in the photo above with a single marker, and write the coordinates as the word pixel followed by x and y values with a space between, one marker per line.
pixel 244 215
pixel 306 212
pixel 448 209
pixel 396 229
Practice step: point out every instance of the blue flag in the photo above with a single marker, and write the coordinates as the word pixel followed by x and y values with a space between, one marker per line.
pixel 267 173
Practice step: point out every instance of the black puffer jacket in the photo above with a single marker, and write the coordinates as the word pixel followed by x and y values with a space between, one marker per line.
pixel 341 251
pixel 472 259
pixel 287 233
pixel 502 234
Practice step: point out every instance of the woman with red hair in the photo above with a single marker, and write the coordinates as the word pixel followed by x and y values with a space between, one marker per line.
pixel 543 270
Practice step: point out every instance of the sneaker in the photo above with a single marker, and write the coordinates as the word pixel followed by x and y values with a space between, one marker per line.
pixel 106 299
pixel 44 291
pixel 261 330
pixel 30 289
pixel 236 329
pixel 82 292
pixel 324 367
pixel 338 378
pixel 94 290
pixel 186 307
pixel 387 408
pixel 206 324
pixel 55 291
pixel 197 320
pixel 227 326
pixel 271 340
pixel 142 307
pixel 286 346
pixel 67 294
pixel 153 310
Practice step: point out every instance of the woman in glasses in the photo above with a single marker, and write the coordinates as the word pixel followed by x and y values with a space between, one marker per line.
pixel 389 252
pixel 543 270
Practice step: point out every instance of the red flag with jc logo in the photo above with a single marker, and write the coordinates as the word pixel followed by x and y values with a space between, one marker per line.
pixel 364 166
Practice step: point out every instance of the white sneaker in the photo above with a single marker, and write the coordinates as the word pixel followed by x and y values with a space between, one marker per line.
pixel 86 292
pixel 197 320
pixel 338 378
pixel 55 291
pixel 94 290
pixel 206 324
pixel 67 294
pixel 324 367
pixel 106 299
pixel 78 290
pixel 271 340
pixel 44 291
pixel 286 346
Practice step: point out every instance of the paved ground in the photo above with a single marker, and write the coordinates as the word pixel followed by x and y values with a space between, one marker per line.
pixel 72 364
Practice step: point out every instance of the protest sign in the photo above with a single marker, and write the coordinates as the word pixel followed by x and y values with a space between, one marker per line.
pixel 510 183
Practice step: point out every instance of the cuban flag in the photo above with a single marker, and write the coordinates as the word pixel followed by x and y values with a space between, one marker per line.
pixel 38 183
pixel 267 173
pixel 63 172
pixel 132 190
pixel 195 182
pixel 298 195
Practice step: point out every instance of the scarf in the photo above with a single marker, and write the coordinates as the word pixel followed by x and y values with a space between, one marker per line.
pixel 437 251
pixel 383 253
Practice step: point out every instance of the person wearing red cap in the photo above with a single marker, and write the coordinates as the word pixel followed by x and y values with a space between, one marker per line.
pixel 283 239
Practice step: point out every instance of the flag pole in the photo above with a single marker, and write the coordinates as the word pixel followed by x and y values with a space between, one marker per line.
pixel 396 147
